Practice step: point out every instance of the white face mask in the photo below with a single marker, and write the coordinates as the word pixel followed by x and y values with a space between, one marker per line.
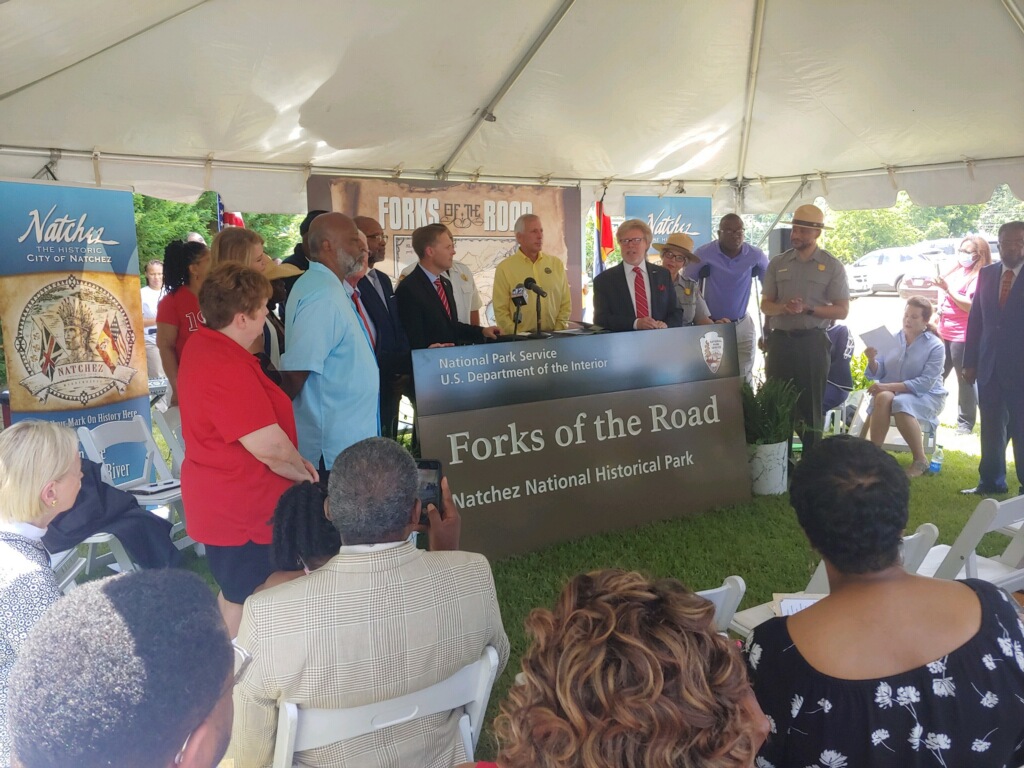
pixel 966 261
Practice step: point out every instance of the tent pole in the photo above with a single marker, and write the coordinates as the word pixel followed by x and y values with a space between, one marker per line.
pixel 752 68
pixel 102 50
pixel 775 221
pixel 486 115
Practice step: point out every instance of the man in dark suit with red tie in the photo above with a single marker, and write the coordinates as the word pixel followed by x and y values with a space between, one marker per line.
pixel 994 356
pixel 426 302
pixel 635 295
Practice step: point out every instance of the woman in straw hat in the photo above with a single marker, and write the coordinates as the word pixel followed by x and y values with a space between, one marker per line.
pixel 676 254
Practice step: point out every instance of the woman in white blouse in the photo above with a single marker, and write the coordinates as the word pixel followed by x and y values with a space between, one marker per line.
pixel 40 474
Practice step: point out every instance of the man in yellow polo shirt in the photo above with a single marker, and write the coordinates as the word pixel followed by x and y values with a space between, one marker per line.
pixel 548 271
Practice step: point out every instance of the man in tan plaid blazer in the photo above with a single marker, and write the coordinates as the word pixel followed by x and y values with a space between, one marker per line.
pixel 379 620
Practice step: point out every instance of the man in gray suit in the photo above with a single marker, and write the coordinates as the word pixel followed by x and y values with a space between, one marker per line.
pixel 379 620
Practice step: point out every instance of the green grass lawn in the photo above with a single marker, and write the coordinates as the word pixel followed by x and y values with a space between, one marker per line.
pixel 760 541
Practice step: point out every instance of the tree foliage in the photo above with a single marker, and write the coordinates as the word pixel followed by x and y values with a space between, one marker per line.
pixel 158 222
pixel 280 231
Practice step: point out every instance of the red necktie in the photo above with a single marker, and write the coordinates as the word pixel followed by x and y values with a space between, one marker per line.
pixel 366 323
pixel 641 293
pixel 1004 287
pixel 443 296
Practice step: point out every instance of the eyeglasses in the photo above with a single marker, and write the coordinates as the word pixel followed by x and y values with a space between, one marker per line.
pixel 242 661
pixel 726 231
pixel 673 255
pixel 379 236
pixel 632 240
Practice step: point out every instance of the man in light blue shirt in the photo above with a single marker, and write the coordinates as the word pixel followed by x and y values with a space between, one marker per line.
pixel 329 367
pixel 728 265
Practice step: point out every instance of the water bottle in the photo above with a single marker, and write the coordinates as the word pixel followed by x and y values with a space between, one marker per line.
pixel 937 458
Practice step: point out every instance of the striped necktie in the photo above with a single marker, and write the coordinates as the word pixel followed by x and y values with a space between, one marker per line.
pixel 443 296
pixel 640 292
pixel 362 316
pixel 1004 287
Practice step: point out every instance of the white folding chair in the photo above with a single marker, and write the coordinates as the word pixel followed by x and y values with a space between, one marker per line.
pixel 95 442
pixel 915 548
pixel 726 599
pixel 67 566
pixel 169 425
pixel 470 687
pixel 962 560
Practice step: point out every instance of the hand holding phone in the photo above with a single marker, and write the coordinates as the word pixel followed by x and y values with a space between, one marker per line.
pixel 429 490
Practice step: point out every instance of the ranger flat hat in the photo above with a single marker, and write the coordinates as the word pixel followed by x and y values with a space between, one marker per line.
pixel 679 240
pixel 809 216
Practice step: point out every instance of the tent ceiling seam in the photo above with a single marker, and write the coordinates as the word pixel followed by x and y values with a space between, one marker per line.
pixel 486 115
pixel 753 62
pixel 1015 13
pixel 304 168
pixel 123 40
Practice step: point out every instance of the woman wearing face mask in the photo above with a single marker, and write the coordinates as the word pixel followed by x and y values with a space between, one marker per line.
pixel 958 286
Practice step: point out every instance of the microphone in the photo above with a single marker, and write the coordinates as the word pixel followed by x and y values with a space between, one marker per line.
pixel 531 285
pixel 519 295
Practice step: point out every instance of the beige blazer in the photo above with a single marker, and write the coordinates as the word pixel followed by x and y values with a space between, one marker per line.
pixel 363 628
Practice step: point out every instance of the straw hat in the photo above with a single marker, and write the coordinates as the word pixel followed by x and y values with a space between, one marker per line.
pixel 809 216
pixel 275 271
pixel 679 240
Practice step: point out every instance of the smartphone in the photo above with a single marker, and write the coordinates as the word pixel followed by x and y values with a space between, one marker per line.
pixel 429 490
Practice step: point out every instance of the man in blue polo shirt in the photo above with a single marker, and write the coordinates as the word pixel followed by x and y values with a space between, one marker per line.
pixel 728 266
pixel 329 367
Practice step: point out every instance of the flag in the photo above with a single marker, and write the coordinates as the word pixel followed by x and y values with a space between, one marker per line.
pixel 227 218
pixel 47 353
pixel 105 347
pixel 604 241
pixel 120 340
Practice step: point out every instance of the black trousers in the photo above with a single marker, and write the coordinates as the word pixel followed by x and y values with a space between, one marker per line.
pixel 802 357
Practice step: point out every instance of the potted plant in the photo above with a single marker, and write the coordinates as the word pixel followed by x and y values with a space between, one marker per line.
pixel 769 415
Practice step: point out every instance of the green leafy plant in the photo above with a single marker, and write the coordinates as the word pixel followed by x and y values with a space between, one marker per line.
pixel 769 414
pixel 858 363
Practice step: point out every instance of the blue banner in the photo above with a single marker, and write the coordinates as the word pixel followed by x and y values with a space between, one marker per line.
pixel 71 309
pixel 665 215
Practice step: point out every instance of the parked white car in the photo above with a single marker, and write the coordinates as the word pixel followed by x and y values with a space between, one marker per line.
pixel 884 269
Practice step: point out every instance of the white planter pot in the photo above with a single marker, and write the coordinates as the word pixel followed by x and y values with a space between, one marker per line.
pixel 769 468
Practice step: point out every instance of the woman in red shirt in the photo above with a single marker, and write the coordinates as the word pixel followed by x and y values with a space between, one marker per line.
pixel 240 432
pixel 177 314
pixel 958 286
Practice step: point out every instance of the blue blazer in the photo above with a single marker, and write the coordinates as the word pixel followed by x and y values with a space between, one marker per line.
pixel 995 337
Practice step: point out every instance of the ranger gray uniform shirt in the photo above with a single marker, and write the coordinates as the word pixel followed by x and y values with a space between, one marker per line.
pixel 690 300
pixel 820 280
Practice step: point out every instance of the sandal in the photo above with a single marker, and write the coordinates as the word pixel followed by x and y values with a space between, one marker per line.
pixel 916 469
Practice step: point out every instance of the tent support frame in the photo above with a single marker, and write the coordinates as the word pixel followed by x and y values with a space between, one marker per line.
pixel 486 115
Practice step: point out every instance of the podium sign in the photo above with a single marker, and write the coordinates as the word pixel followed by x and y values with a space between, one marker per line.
pixel 550 440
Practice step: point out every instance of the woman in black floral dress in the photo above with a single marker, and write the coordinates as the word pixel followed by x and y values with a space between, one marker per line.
pixel 890 669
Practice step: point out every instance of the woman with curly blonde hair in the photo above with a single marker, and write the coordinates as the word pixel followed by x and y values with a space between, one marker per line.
pixel 629 671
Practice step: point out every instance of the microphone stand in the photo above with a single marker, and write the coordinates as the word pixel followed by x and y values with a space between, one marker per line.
pixel 539 334
pixel 517 318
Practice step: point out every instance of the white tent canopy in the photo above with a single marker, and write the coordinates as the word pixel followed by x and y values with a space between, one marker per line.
pixel 748 101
